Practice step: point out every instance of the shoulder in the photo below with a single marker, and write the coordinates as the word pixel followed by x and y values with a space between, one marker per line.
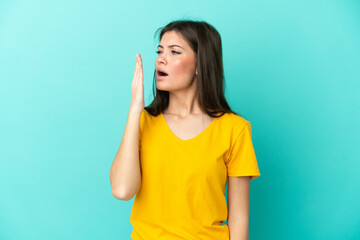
pixel 235 118
pixel 235 122
pixel 148 119
pixel 146 115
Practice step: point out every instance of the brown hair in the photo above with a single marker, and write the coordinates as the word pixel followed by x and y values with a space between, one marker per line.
pixel 205 41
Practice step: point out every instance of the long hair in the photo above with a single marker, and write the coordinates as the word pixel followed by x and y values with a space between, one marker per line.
pixel 205 41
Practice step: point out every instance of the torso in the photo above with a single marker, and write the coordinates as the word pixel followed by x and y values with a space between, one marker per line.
pixel 187 128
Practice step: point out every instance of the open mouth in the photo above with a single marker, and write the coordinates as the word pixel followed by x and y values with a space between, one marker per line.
pixel 160 73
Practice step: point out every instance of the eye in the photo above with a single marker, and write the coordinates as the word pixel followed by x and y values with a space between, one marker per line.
pixel 157 52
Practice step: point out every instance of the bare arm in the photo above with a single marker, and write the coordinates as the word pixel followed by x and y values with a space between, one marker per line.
pixel 238 204
pixel 125 174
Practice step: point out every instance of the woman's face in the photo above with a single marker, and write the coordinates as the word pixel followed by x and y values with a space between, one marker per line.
pixel 179 62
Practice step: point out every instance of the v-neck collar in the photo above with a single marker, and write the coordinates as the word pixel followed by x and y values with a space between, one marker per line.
pixel 200 135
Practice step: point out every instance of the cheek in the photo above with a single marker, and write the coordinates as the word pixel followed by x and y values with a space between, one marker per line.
pixel 182 67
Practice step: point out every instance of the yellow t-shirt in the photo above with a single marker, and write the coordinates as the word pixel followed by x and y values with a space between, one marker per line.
pixel 182 193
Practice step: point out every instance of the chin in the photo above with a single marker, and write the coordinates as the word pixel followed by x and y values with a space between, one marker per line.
pixel 161 87
pixel 164 87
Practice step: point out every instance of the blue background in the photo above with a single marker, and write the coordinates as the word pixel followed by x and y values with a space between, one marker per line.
pixel 292 68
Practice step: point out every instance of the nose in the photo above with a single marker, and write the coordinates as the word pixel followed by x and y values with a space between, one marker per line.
pixel 160 59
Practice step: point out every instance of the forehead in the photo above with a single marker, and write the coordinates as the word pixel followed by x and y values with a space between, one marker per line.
pixel 173 38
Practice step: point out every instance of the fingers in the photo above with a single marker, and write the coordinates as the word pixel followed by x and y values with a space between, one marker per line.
pixel 138 71
pixel 136 67
pixel 139 68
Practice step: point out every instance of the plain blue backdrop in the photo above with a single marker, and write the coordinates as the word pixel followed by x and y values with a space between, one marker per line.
pixel 292 68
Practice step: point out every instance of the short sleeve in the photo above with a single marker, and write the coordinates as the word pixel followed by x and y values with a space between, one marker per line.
pixel 241 158
pixel 141 124
pixel 139 139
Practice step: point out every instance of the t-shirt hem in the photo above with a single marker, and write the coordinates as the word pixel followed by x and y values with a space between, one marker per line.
pixel 252 175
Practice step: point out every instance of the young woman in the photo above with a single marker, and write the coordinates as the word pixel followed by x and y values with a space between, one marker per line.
pixel 177 154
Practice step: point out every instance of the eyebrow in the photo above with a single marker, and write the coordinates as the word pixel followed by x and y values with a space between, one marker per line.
pixel 171 46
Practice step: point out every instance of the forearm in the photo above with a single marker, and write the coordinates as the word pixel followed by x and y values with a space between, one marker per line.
pixel 239 229
pixel 125 175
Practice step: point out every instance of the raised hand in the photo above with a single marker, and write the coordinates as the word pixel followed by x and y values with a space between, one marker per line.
pixel 137 86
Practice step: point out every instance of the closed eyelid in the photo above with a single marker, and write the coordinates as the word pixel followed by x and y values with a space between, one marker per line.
pixel 158 51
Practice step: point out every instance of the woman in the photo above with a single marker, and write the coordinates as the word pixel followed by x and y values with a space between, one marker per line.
pixel 189 142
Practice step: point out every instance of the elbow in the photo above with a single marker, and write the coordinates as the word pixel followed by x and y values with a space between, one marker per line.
pixel 121 195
